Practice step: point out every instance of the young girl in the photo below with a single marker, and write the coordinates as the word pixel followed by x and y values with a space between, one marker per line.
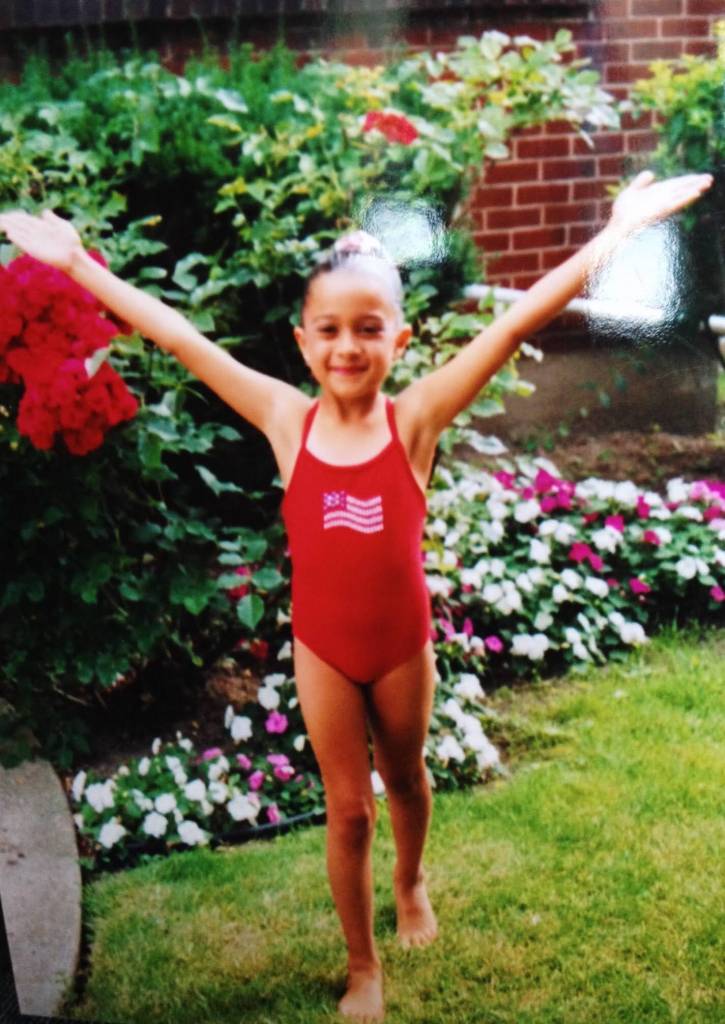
pixel 355 465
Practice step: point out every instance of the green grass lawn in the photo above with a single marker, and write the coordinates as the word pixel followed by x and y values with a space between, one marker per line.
pixel 586 888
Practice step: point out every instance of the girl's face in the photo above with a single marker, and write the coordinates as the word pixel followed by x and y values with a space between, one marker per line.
pixel 352 331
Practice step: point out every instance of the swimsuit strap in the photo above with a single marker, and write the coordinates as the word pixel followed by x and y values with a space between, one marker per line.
pixel 389 407
pixel 309 416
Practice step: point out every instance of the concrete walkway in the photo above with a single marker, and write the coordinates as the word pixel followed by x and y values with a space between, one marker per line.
pixel 40 885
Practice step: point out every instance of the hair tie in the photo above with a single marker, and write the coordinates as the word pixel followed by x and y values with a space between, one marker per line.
pixel 361 243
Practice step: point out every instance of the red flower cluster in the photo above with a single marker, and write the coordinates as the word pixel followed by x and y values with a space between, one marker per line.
pixel 49 326
pixel 394 127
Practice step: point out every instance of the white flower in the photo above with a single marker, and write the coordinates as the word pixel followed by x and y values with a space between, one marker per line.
pixel 536 575
pixel 143 766
pixel 242 808
pixel 689 512
pixel 453 709
pixel 686 568
pixel 154 824
pixel 218 768
pixel 268 697
pixel 185 744
pixel 626 493
pixel 468 686
pixel 571 635
pixel 607 539
pixel 78 785
pixel 677 490
pixel 195 790
pixel 525 511
pixel 180 778
pixel 596 586
pixel 190 833
pixel 100 795
pixel 123 770
pixel 560 594
pixel 438 527
pixel 228 717
pixel 497 509
pixel 377 783
pixel 492 532
pixel 285 651
pixel 524 583
pixel 173 763
pixel 539 551
pixel 111 832
pixel 487 756
pixel 497 568
pixel 241 728
pixel 275 679
pixel 449 748
pixel 299 742
pixel 142 801
pixel 439 585
pixel 282 617
pixel 632 633
pixel 571 579
pixel 451 538
pixel 616 618
pixel 579 651
pixel 449 558
pixel 156 746
pixel 565 533
pixel 218 792
pixel 476 645
pixel 471 577
pixel 492 593
pixel 663 534
pixel 531 646
pixel 78 819
pixel 165 803
pixel 510 601
pixel 206 808
pixel 719 556
pixel 542 621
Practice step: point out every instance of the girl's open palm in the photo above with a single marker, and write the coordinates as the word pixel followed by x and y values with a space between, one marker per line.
pixel 48 238
pixel 646 201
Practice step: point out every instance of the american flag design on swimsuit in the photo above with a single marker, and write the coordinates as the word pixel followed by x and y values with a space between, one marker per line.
pixel 339 508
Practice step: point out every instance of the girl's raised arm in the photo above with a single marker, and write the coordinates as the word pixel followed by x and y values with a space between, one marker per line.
pixel 256 396
pixel 439 396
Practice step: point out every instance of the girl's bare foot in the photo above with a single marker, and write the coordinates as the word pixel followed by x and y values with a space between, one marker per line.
pixel 417 925
pixel 363 1001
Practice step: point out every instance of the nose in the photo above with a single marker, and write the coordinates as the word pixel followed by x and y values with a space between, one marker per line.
pixel 347 342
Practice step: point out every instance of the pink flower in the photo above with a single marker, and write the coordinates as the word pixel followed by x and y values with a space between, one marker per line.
pixel 579 551
pixel 448 628
pixel 642 508
pixel 712 512
pixel 590 517
pixel 467 588
pixel 651 537
pixel 276 722
pixel 638 586
pixel 468 627
pixel 494 643
pixel 616 522
pixel 612 583
pixel 548 503
pixel 273 814
pixel 507 479
pixel 544 481
pixel 284 772
pixel 211 753
pixel 244 762
pixel 256 780
pixel 717 594
pixel 277 758
pixel 595 561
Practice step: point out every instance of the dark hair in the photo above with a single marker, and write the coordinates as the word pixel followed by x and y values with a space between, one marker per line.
pixel 357 249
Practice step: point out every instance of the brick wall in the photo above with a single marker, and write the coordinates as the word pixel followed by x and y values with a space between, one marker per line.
pixel 529 212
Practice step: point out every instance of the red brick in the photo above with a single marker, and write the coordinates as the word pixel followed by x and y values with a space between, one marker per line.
pixel 579 234
pixel 645 120
pixel 515 262
pixel 504 173
pixel 704 7
pixel 658 49
pixel 580 168
pixel 631 28
pixel 544 238
pixel 614 9
pixel 525 281
pixel 560 127
pixel 638 142
pixel 542 194
pixel 542 147
pixel 418 36
pixel 553 257
pixel 682 27
pixel 493 196
pixel 565 213
pixel 658 7
pixel 513 218
pixel 625 74
pixel 701 47
pixel 592 189
pixel 611 166
pixel 606 53
pixel 604 142
pixel 493 241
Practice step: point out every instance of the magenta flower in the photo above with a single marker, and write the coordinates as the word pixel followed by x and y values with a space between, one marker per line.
pixel 651 537
pixel 544 481
pixel 276 722
pixel 638 586
pixel 494 643
pixel 642 508
pixel 507 479
pixel 468 627
pixel 211 753
pixel 595 561
pixel 273 814
pixel 244 762
pixel 590 517
pixel 579 551
pixel 277 758
pixel 284 772
pixel 616 522
pixel 548 503
pixel 717 594
pixel 256 780
pixel 612 583
pixel 448 628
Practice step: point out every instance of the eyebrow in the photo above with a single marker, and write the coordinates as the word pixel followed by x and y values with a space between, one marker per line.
pixel 363 316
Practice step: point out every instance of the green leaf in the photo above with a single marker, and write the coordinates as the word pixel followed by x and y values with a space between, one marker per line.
pixel 216 485
pixel 250 610
pixel 267 578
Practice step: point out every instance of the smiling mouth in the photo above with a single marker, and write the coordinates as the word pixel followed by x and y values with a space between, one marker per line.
pixel 347 369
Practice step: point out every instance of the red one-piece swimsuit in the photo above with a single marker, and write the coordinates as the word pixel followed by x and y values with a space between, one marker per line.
pixel 359 596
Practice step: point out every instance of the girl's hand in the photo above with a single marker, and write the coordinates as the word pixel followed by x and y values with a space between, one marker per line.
pixel 646 201
pixel 48 238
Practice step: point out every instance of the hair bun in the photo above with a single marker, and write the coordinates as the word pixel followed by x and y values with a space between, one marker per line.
pixel 362 243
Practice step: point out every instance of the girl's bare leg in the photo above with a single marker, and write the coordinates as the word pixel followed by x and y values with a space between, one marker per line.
pixel 400 705
pixel 333 708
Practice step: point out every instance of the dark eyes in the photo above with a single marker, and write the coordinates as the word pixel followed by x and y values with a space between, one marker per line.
pixel 369 330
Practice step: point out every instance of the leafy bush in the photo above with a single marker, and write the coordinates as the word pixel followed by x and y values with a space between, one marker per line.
pixel 123 563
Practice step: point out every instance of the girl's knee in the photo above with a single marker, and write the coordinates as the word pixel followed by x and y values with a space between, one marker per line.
pixel 406 782
pixel 352 818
